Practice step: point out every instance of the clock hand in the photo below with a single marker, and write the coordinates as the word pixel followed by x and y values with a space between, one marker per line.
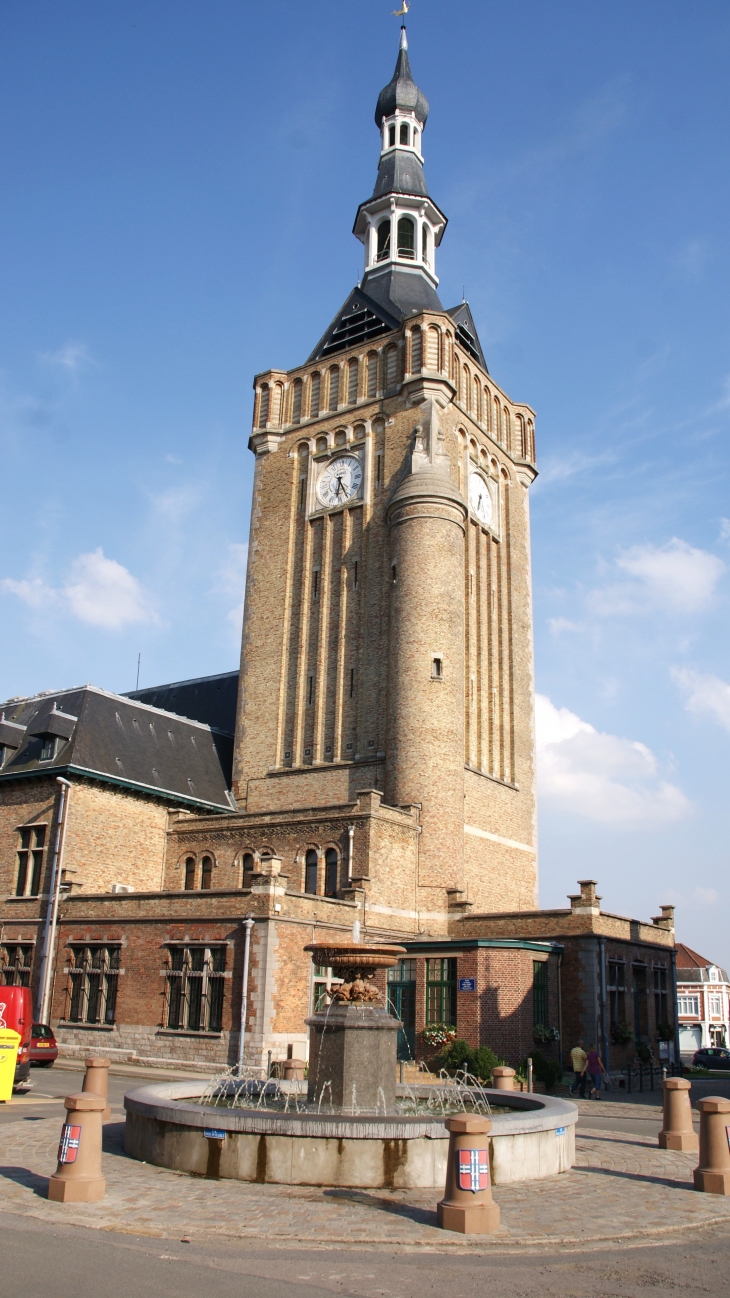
pixel 339 486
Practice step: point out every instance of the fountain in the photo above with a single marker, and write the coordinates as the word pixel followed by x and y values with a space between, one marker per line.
pixel 353 1041
pixel 348 1124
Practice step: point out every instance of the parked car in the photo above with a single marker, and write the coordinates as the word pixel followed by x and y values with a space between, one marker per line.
pixel 16 1012
pixel 43 1045
pixel 711 1057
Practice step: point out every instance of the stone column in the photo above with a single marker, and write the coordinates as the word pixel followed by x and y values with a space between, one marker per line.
pixel 677 1131
pixel 96 1082
pixel 78 1177
pixel 713 1173
pixel 503 1079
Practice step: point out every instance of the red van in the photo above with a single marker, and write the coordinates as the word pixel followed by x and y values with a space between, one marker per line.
pixel 16 1012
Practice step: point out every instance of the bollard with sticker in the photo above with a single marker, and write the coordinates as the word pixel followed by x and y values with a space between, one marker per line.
pixel 78 1178
pixel 467 1205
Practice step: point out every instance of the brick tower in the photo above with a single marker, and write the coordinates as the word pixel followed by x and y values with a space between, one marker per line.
pixel 387 641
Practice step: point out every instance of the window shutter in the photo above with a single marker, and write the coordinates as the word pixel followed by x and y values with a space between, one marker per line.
pixel 372 374
pixel 352 383
pixel 416 351
pixel 314 396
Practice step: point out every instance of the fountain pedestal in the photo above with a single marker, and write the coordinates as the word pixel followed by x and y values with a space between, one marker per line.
pixel 352 1057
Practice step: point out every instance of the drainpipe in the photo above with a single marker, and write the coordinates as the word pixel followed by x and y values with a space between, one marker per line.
pixel 560 1009
pixel 49 932
pixel 604 1034
pixel 247 925
pixel 676 1015
pixel 351 838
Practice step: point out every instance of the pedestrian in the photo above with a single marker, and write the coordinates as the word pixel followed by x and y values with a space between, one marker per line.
pixel 595 1070
pixel 578 1058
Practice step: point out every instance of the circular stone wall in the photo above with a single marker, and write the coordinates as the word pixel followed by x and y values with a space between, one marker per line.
pixel 165 1127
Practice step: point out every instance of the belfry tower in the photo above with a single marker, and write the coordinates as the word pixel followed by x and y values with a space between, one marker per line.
pixel 386 694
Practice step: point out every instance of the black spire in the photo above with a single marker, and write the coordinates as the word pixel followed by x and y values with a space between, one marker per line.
pixel 401 91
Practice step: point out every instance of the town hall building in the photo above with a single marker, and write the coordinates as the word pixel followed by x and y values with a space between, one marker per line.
pixel 372 763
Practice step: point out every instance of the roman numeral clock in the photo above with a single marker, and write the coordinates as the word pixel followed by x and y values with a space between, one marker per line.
pixel 339 481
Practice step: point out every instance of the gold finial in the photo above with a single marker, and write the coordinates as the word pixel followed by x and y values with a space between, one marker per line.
pixel 401 13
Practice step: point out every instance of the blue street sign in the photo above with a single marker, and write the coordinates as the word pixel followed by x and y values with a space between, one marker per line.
pixel 212 1134
pixel 467 984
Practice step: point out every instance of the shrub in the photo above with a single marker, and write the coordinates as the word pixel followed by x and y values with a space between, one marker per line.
pixel 543 1070
pixel 621 1035
pixel 479 1062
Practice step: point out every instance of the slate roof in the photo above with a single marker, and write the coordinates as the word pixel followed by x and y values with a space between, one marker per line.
pixel 210 699
pixel 401 91
pixel 120 741
pixel 466 332
pixel 400 172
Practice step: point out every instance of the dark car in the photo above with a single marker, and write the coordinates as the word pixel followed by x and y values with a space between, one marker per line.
pixel 711 1057
pixel 43 1045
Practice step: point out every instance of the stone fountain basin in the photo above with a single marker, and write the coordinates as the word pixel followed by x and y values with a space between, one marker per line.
pixel 166 1127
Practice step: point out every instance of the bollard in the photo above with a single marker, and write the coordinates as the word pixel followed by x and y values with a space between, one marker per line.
pixel 294 1070
pixel 78 1178
pixel 529 1073
pixel 96 1082
pixel 713 1173
pixel 503 1079
pixel 677 1131
pixel 467 1205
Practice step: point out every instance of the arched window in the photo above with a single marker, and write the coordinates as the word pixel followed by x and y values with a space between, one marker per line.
pixel 384 238
pixel 321 445
pixel 207 872
pixel 391 137
pixel 330 872
pixel 372 374
pixel 277 402
pixel 334 387
pixel 477 394
pixel 314 395
pixel 190 874
pixel 506 428
pixel 310 871
pixel 248 869
pixel 487 410
pixel 415 138
pixel 406 238
pixel 432 348
pixel 352 370
pixel 497 420
pixel 464 386
pixel 264 406
pixel 391 368
pixel 416 351
pixel 521 443
pixel 404 133
pixel 424 245
pixel 296 404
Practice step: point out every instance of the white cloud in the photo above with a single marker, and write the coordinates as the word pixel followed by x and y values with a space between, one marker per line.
pixel 35 592
pixel 72 357
pixel 175 503
pixel 558 468
pixel 675 578
pixel 602 777
pixel 232 581
pixel 558 625
pixel 705 693
pixel 103 593
pixel 99 591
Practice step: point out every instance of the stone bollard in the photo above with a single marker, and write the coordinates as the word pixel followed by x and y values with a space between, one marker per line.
pixel 78 1178
pixel 96 1082
pixel 713 1173
pixel 294 1070
pixel 677 1131
pixel 467 1205
pixel 503 1079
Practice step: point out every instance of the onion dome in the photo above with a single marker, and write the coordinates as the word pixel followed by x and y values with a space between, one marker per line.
pixel 401 92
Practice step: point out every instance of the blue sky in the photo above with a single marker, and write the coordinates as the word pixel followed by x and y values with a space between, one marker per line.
pixel 180 181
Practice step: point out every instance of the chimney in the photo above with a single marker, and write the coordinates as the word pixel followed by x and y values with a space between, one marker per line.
pixel 666 919
pixel 587 902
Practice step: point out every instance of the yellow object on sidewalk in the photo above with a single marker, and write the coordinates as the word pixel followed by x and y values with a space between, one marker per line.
pixel 9 1042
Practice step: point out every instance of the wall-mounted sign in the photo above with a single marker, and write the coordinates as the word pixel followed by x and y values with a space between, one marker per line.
pixel 467 984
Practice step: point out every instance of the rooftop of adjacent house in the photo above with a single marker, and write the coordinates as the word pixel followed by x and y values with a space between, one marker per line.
pixel 692 967
pixel 122 741
pixel 210 699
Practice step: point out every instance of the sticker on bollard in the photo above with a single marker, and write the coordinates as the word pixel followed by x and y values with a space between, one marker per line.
pixel 473 1170
pixel 68 1149
pixel 560 1131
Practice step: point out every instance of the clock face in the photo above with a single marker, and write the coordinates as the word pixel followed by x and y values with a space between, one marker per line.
pixel 480 500
pixel 340 481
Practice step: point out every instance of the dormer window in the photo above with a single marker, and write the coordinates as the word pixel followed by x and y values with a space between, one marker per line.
pixel 48 748
pixel 406 238
pixel 384 239
pixel 404 133
pixel 391 137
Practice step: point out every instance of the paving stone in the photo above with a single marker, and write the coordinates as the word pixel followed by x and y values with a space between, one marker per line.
pixel 623 1187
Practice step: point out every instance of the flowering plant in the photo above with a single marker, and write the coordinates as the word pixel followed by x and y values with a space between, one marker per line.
pixel 543 1033
pixel 621 1034
pixel 439 1034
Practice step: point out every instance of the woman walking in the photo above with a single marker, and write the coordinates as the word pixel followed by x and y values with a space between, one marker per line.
pixel 596 1071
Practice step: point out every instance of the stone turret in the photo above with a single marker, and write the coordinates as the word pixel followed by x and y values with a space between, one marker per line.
pixel 425 745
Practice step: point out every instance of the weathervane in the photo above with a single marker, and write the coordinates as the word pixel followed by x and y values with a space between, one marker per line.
pixel 401 13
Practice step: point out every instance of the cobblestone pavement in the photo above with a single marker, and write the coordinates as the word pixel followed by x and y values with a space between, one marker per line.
pixel 622 1188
